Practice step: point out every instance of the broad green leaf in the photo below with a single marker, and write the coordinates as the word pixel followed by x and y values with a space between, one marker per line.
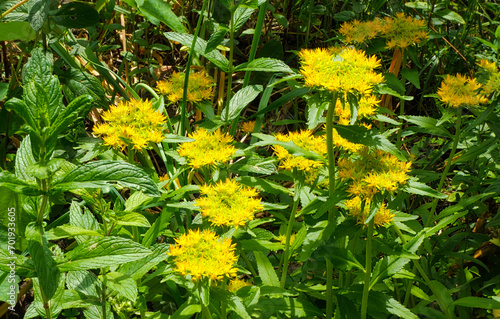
pixel 16 30
pixel 159 10
pixel 131 219
pixel 266 270
pixel 392 81
pixel 37 308
pixel 428 125
pixel 289 146
pixel 240 100
pixel 75 15
pixel 76 83
pixel 136 200
pixel 78 107
pixel 264 185
pixel 264 65
pixel 4 87
pixel 342 259
pixel 38 13
pixel 24 160
pixel 422 5
pixel 291 307
pixel 83 220
pixel 361 135
pixel 13 183
pixel 45 265
pixel 216 38
pixel 122 284
pixel 69 231
pixel 386 267
pixel 259 245
pixel 103 252
pixel 200 47
pixel 412 76
pixel 38 68
pixel 45 100
pixel 241 16
pixel 449 15
pixel 28 114
pixel 316 235
pixel 88 288
pixel 477 302
pixel 253 163
pixel 385 89
pixel 442 296
pixel 24 265
pixel 99 173
pixel 282 100
pixel 412 186
pixel 187 309
pixel 138 268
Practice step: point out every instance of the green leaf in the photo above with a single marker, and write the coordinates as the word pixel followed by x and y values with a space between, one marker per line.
pixel 13 183
pixel 361 135
pixel 412 186
pixel 266 270
pixel 385 89
pixel 138 268
pixel 83 220
pixel 216 38
pixel 24 160
pixel 341 258
pixel 187 310
pixel 477 302
pixel 264 185
pixel 76 15
pixel 69 231
pixel 38 13
pixel 27 114
pixel 240 100
pixel 282 100
pixel 45 266
pixel 122 284
pixel 159 10
pixel 16 30
pixel 394 82
pixel 291 307
pixel 316 235
pixel 428 125
pixel 259 245
pixel 98 174
pixel 289 146
pixel 103 252
pixel 387 267
pixel 200 47
pixel 131 219
pixel 412 76
pixel 449 15
pixel 264 65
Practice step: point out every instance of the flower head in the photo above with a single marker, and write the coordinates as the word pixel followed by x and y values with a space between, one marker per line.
pixel 134 123
pixel 203 254
pixel 382 217
pixel 236 284
pixel 460 90
pixel 228 203
pixel 366 107
pixel 248 127
pixel 492 83
pixel 207 148
pixel 199 87
pixel 402 31
pixel 360 32
pixel 340 69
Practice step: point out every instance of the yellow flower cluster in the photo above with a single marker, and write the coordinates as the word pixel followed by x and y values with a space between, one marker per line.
pixel 305 140
pixel 493 82
pixel 366 107
pixel 200 87
pixel 248 126
pixel 340 142
pixel 373 172
pixel 204 255
pixel 400 32
pixel 207 148
pixel 229 203
pixel 133 123
pixel 460 90
pixel 236 284
pixel 382 217
pixel 340 69
pixel 360 32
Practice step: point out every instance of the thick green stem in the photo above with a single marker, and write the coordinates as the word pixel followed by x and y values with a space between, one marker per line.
pixel 329 290
pixel 286 252
pixel 230 66
pixel 188 67
pixel 147 88
pixel 256 39
pixel 448 165
pixel 368 269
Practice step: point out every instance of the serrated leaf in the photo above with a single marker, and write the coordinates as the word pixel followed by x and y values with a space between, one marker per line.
pixel 103 252
pixel 265 65
pixel 412 186
pixel 200 47
pixel 131 219
pixel 13 183
pixel 69 231
pixel 316 235
pixel 38 14
pixel 386 267
pixel 216 38
pixel 239 101
pixel 83 219
pixel 428 125
pixel 122 284
pixel 385 89
pixel 98 174
pixel 361 135
pixel 138 268
pixel 266 270
pixel 161 11
pixel 76 15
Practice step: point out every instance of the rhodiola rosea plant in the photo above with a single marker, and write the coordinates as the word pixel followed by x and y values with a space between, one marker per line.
pixel 246 186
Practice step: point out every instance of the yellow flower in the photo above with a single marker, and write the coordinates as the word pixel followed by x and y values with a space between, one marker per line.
pixel 199 87
pixel 229 203
pixel 282 239
pixel 248 127
pixel 360 32
pixel 236 284
pixel 460 90
pixel 335 69
pixel 204 255
pixel 133 123
pixel 493 82
pixel 382 217
pixel 339 141
pixel 373 172
pixel 402 31
pixel 207 148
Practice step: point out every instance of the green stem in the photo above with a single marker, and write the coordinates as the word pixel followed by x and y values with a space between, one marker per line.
pixel 147 88
pixel 230 66
pixel 368 269
pixel 188 67
pixel 448 165
pixel 249 264
pixel 103 293
pixel 256 39
pixel 131 154
pixel 289 228
pixel 329 288
pixel 399 142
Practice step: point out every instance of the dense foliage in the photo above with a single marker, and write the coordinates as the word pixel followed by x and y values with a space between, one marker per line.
pixel 249 159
